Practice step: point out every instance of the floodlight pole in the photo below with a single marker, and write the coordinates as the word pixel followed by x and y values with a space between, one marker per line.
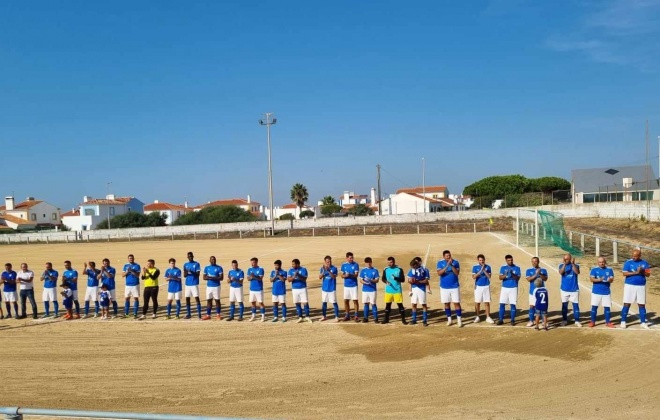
pixel 268 122
pixel 424 183
pixel 518 227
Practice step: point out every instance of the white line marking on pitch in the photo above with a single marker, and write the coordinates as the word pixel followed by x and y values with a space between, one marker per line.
pixel 555 269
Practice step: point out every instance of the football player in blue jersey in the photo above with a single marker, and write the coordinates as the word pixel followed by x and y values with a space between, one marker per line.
pixel 107 277
pixel 531 275
pixel 213 274
pixel 191 271
pixel 328 276
pixel 92 290
pixel 278 279
pixel 255 275
pixel 601 277
pixel 635 271
pixel 369 278
pixel 236 277
pixel 569 289
pixel 349 272
pixel 71 276
pixel 541 303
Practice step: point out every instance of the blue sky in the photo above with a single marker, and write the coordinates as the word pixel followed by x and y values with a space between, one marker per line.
pixel 163 97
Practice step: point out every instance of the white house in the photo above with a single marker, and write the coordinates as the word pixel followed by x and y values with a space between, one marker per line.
pixel 94 210
pixel 39 213
pixel 291 209
pixel 170 211
pixel 410 203
pixel 247 205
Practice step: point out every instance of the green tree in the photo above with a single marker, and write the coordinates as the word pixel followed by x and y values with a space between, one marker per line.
pixel 307 214
pixel 133 219
pixel 361 210
pixel 516 189
pixel 216 214
pixel 287 216
pixel 299 195
pixel 329 206
pixel 548 184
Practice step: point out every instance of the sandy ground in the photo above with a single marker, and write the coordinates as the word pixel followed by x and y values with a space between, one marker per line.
pixel 329 369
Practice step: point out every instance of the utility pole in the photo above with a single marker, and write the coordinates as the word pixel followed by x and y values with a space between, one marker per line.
pixel 648 203
pixel 380 207
pixel 108 199
pixel 424 183
pixel 268 121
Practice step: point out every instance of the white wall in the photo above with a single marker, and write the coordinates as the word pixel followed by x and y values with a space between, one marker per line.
pixel 43 212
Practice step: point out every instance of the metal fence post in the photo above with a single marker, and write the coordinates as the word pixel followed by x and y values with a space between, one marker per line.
pixel 615 252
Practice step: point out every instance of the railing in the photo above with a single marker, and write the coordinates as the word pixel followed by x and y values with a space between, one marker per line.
pixel 17 413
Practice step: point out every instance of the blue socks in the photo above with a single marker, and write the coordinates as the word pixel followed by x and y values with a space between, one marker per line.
pixel 374 311
pixel 86 307
pixel 576 312
pixel 414 316
pixel 448 313
pixel 502 309
pixel 366 311
pixel 127 306
pixel 254 311
pixel 324 309
pixel 169 308
pixel 96 307
pixel 276 311
pixel 607 315
pixel 459 312
pixel 208 310
pixel 199 310
pixel 188 310
pixel 232 310
pixel 178 308
pixel 642 314
pixel 532 312
pixel 594 312
pixel 513 312
pixel 263 311
pixel 136 307
pixel 307 310
pixel 336 306
pixel 284 310
pixel 299 310
pixel 56 306
pixel 47 308
pixel 241 309
pixel 425 316
pixel 77 305
pixel 564 311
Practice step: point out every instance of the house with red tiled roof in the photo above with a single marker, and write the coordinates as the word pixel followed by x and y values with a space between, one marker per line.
pixel 94 210
pixel 292 209
pixel 170 211
pixel 429 199
pixel 37 213
pixel 246 204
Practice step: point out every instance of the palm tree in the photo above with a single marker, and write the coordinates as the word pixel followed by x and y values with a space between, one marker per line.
pixel 328 200
pixel 299 195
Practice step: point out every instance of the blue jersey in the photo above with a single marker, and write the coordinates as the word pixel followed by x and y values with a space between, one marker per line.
pixel 541 295
pixel 104 297
pixel 257 283
pixel 173 277
pixel 532 272
pixel 235 276
pixel 299 276
pixel 352 270
pixel 632 266
pixel 48 283
pixel 449 280
pixel 482 279
pixel 604 275
pixel 67 294
pixel 108 277
pixel 569 280
pixel 329 283
pixel 193 268
pixel 370 275
pixel 133 278
pixel 509 271
pixel 417 274
pixel 9 276
pixel 68 276
pixel 92 277
pixel 213 272
pixel 279 285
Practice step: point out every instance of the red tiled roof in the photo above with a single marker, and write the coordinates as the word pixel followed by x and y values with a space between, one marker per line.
pixel 16 220
pixel 71 213
pixel 442 201
pixel 229 202
pixel 420 190
pixel 165 207
pixel 26 204
pixel 116 201
pixel 295 206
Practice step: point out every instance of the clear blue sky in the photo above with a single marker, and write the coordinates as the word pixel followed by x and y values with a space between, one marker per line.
pixel 163 97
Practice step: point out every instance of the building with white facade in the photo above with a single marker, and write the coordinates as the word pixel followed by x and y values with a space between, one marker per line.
pixel 37 212
pixel 171 211
pixel 94 210
pixel 246 204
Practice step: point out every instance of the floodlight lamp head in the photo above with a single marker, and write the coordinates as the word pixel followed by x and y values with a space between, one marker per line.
pixel 261 122
pixel 274 120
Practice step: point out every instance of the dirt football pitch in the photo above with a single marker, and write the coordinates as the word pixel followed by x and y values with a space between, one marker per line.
pixel 328 369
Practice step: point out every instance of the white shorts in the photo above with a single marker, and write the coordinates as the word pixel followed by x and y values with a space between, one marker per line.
pixel 328 297
pixel 113 294
pixel 132 291
pixel 509 295
pixel 299 295
pixel 279 299
pixel 173 295
pixel 74 294
pixel 236 294
pixel 573 297
pixel 92 294
pixel 597 300
pixel 350 293
pixel 9 296
pixel 482 294
pixel 192 291
pixel 450 295
pixel 632 294
pixel 369 297
pixel 49 295
pixel 213 292
pixel 532 300
pixel 418 296
pixel 257 296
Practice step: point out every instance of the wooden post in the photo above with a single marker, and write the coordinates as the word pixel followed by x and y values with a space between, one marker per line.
pixel 582 242
pixel 446 228
pixel 597 246
pixel 475 227
pixel 217 234
pixel 240 234
pixel 418 229
pixel 615 252
pixel 364 230
pixel 337 231
pixel 390 229
pixel 313 232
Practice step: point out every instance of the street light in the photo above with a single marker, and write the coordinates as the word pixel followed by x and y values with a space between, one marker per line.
pixel 268 121
pixel 108 198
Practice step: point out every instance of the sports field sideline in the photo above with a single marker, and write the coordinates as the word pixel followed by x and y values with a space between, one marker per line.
pixel 328 369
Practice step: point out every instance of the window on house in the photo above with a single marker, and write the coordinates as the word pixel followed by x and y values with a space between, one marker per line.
pixel 178 214
pixel 33 217
pixel 54 216
pixel 112 211
pixel 89 212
